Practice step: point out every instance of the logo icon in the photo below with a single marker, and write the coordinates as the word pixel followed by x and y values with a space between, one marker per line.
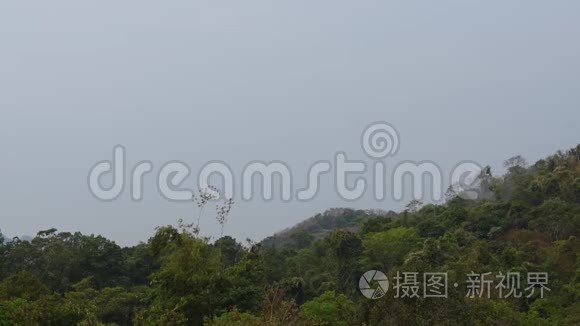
pixel 375 292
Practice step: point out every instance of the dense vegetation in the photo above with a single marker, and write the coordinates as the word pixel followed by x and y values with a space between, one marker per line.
pixel 528 220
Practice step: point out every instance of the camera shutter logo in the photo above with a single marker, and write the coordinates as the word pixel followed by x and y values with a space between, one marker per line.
pixel 381 284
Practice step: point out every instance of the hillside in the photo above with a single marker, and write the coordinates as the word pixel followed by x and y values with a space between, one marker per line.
pixel 526 226
pixel 320 225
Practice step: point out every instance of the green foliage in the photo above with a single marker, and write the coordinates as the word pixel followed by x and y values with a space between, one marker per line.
pixel 231 251
pixel 527 220
pixel 346 248
pixel 189 276
pixel 384 250
pixel 330 309
pixel 23 285
pixel 237 318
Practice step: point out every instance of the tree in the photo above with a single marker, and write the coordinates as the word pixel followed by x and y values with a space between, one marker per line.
pixel 384 250
pixel 330 309
pixel 231 251
pixel 23 285
pixel 346 248
pixel 189 278
pixel 515 163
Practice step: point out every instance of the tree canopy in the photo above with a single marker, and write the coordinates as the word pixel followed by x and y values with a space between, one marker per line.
pixel 527 222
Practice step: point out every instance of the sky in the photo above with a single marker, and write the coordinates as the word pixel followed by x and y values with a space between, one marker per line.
pixel 291 81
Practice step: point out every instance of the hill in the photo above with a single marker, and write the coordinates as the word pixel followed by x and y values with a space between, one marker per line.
pixel 525 230
pixel 320 225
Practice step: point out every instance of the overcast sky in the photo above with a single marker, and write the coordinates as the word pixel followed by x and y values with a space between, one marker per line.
pixel 240 81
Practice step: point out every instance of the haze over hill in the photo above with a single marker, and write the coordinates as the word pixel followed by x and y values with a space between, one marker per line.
pixel 295 81
pixel 527 229
pixel 320 225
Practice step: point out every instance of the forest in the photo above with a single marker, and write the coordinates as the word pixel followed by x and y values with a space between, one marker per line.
pixel 526 221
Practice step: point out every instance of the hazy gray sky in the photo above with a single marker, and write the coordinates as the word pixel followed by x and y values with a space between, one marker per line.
pixel 267 80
